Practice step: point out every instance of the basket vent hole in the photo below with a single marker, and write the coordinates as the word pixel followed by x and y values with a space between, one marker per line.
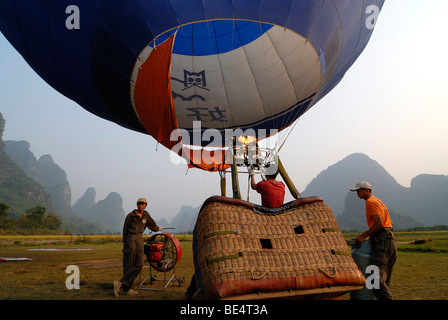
pixel 298 229
pixel 266 243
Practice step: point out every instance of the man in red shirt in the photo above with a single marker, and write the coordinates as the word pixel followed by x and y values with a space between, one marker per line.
pixel 380 225
pixel 272 191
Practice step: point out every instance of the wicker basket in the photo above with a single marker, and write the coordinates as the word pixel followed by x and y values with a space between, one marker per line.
pixel 246 251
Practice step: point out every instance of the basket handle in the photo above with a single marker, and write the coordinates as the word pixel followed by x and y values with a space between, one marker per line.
pixel 329 275
pixel 258 277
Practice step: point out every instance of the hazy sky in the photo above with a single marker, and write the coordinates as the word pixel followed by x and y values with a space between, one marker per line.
pixel 391 105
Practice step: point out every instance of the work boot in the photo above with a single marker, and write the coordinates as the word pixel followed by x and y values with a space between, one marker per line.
pixel 130 292
pixel 117 287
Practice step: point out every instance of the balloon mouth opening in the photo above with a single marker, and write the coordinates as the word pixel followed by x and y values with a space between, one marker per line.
pixel 244 89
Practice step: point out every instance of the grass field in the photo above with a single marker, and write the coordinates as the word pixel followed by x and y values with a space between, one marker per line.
pixel 421 271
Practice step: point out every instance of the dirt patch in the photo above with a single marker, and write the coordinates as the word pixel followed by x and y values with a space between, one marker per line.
pixel 101 263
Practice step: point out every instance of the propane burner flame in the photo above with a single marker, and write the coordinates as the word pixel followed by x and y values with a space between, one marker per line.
pixel 247 139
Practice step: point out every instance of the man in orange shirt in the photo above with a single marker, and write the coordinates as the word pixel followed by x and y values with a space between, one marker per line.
pixel 380 225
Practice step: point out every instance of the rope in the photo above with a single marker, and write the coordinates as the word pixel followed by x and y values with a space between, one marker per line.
pixel 258 277
pixel 328 275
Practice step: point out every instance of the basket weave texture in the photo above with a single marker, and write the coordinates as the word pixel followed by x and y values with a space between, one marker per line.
pixel 238 250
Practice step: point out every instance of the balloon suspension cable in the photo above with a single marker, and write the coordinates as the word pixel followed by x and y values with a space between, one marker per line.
pixel 287 136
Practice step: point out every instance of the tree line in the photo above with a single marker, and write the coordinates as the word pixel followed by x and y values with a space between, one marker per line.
pixel 34 220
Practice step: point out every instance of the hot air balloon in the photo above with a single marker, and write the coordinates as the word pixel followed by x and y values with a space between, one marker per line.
pixel 188 72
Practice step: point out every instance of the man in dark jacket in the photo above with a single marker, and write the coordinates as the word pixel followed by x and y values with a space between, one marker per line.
pixel 133 254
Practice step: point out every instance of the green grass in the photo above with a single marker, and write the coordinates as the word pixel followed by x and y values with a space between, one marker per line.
pixel 44 277
pixel 421 271
pixel 420 276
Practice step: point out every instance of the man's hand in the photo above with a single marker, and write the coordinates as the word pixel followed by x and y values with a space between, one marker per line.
pixel 360 238
pixel 160 228
pixel 377 225
pixel 252 179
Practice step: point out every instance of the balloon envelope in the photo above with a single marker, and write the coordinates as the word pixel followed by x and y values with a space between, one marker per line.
pixel 248 64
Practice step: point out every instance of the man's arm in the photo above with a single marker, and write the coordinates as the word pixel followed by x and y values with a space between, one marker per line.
pixel 252 179
pixel 377 225
pixel 125 227
pixel 152 225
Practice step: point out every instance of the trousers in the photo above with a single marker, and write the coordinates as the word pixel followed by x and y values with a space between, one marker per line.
pixel 133 259
pixel 384 256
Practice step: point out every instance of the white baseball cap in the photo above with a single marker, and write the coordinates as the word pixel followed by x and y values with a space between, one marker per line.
pixel 362 185
pixel 142 200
